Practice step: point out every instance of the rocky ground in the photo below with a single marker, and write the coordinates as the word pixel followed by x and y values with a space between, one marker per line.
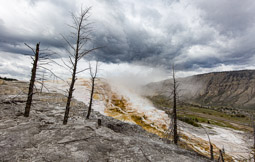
pixel 42 137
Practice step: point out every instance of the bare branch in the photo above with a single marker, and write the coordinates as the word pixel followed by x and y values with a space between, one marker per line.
pixel 75 20
pixel 66 65
pixel 30 48
pixel 82 70
pixel 52 73
pixel 81 34
pixel 72 26
pixel 32 58
pixel 44 55
pixel 90 70
pixel 43 86
pixel 93 76
pixel 71 54
pixel 32 80
pixel 70 45
pixel 71 61
pixel 87 52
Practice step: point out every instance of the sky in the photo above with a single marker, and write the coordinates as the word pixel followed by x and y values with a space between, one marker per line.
pixel 140 37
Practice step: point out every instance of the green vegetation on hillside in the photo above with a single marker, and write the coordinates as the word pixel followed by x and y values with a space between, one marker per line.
pixel 195 115
pixel 8 79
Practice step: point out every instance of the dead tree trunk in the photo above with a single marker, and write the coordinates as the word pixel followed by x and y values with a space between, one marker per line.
pixel 32 81
pixel 93 77
pixel 211 151
pixel 221 158
pixel 70 93
pixel 78 51
pixel 211 146
pixel 91 97
pixel 253 125
pixel 174 108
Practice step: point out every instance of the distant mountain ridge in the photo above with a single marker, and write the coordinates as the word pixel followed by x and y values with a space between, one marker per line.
pixel 230 88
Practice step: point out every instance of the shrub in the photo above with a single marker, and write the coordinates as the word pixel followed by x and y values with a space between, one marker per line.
pixel 190 121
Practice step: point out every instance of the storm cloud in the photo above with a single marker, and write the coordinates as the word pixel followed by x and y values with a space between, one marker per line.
pixel 193 35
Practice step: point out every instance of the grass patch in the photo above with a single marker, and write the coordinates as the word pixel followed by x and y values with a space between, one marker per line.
pixel 160 101
pixel 195 114
pixel 191 121
pixel 194 118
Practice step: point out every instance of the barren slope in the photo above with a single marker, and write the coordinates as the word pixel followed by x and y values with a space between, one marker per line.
pixel 231 89
pixel 42 137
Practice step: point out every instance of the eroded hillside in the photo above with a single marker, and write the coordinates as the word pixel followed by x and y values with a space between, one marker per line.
pixel 235 89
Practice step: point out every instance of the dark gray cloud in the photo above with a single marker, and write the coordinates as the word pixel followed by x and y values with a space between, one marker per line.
pixel 229 17
pixel 197 34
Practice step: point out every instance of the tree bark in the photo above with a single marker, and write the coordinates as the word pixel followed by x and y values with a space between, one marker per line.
pixel 174 109
pixel 211 151
pixel 32 81
pixel 253 125
pixel 71 88
pixel 70 93
pixel 81 34
pixel 221 158
pixel 211 146
pixel 91 97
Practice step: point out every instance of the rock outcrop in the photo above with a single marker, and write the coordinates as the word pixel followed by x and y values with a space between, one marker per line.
pixel 42 137
pixel 234 89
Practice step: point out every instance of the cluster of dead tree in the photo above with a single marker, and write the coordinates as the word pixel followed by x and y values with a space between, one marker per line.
pixel 173 127
pixel 77 49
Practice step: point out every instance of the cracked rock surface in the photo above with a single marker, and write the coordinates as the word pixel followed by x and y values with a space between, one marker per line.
pixel 42 137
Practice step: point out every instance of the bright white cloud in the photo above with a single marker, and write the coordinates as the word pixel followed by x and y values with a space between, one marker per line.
pixel 195 35
pixel 131 75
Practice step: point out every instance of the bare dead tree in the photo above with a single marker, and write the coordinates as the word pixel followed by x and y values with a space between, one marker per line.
pixel 172 129
pixel 81 31
pixel 41 81
pixel 38 56
pixel 251 135
pixel 169 132
pixel 32 80
pixel 93 77
pixel 221 157
pixel 44 69
pixel 175 86
pixel 211 146
pixel 44 64
pixel 253 126
pixel 41 60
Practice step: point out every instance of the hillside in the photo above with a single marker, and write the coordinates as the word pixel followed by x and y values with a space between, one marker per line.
pixel 42 137
pixel 125 104
pixel 135 114
pixel 234 89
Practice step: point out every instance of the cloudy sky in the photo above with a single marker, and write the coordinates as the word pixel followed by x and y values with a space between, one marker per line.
pixel 198 36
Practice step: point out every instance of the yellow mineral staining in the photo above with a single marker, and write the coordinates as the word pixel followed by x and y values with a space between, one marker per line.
pixel 1 81
pixel 121 103
pixel 120 108
pixel 86 83
pixel 96 96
